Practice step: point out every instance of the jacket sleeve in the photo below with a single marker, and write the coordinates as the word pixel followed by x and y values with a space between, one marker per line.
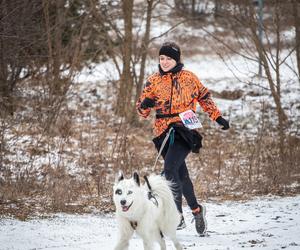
pixel 206 102
pixel 146 93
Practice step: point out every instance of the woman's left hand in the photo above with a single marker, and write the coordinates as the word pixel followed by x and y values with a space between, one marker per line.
pixel 222 122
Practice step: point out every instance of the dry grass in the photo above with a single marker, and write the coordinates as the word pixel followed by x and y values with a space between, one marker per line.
pixel 232 166
pixel 229 167
pixel 72 166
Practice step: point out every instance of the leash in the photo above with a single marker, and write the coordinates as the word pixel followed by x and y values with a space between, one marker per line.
pixel 171 130
pixel 151 197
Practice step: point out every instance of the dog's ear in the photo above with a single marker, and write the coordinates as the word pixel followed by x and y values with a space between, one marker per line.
pixel 136 178
pixel 119 176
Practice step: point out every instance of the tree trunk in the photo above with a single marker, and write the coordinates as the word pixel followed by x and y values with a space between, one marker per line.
pixel 296 5
pixel 54 46
pixel 4 93
pixel 281 117
pixel 6 102
pixel 57 56
pixel 144 52
pixel 217 8
pixel 193 8
pixel 126 81
pixel 274 86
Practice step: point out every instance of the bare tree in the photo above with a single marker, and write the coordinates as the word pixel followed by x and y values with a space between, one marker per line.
pixel 272 62
pixel 126 84
pixel 243 19
pixel 296 6
pixel 62 56
pixel 41 41
pixel 16 44
pixel 192 8
pixel 143 55
pixel 128 51
pixel 274 84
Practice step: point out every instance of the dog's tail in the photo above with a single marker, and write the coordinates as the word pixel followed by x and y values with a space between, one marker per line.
pixel 160 189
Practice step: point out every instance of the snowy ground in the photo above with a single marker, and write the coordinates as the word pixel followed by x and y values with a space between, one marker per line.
pixel 267 223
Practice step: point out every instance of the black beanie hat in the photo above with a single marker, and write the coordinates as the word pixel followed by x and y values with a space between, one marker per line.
pixel 170 51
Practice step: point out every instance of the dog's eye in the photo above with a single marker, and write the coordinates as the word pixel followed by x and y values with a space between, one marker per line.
pixel 129 192
pixel 118 191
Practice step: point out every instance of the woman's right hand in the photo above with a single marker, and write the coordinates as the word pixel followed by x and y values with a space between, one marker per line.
pixel 147 103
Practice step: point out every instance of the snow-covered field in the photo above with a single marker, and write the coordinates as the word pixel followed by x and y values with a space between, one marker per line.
pixel 266 222
pixel 262 223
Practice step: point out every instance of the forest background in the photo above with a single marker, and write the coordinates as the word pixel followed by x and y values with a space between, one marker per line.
pixel 71 72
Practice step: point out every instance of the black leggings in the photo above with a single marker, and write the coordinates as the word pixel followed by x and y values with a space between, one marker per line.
pixel 175 170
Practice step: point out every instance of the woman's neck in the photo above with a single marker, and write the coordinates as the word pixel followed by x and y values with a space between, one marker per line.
pixel 174 70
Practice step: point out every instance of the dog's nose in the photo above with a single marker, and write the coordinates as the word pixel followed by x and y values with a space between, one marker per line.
pixel 123 202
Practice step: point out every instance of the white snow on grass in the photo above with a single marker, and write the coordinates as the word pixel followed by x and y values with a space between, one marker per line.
pixel 266 222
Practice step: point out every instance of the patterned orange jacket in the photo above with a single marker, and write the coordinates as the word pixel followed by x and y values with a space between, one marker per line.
pixel 173 94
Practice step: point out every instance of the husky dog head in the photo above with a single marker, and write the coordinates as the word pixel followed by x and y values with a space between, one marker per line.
pixel 127 194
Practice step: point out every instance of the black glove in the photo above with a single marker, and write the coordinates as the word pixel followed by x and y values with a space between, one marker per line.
pixel 147 103
pixel 222 122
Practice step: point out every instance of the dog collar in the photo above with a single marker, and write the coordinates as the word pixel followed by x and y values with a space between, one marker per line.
pixel 133 224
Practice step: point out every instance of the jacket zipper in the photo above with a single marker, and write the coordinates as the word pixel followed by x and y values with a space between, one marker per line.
pixel 171 94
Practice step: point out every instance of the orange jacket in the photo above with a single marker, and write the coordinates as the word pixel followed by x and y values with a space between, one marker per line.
pixel 173 94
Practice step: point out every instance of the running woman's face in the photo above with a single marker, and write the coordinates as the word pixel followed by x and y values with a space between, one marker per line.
pixel 166 63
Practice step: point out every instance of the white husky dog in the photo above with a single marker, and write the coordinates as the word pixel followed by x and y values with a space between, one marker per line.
pixel 149 210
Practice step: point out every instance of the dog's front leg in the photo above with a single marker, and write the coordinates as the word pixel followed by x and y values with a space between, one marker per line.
pixel 148 245
pixel 123 241
pixel 162 243
pixel 125 233
pixel 175 241
pixel 122 244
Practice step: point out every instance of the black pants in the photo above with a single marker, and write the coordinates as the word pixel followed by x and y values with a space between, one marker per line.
pixel 175 170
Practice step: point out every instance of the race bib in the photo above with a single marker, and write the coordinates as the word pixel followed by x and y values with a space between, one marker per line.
pixel 190 120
